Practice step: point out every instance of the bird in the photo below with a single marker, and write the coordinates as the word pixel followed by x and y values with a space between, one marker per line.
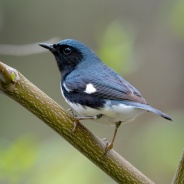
pixel 94 90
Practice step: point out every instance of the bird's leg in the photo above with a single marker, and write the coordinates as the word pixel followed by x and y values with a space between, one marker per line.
pixel 74 116
pixel 88 117
pixel 110 146
pixel 82 118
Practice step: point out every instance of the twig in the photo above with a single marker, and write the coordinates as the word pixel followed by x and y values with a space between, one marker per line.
pixel 179 175
pixel 28 95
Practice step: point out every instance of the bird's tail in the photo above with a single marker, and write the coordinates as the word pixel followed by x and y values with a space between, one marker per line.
pixel 158 112
pixel 150 109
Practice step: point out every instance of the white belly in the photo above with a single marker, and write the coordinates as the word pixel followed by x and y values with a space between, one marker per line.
pixel 110 113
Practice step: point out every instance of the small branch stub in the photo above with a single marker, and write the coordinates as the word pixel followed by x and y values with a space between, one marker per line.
pixel 8 74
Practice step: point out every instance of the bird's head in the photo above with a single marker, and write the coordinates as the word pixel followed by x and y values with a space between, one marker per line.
pixel 69 54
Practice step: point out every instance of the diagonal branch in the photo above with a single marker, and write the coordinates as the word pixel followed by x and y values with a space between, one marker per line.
pixel 17 87
pixel 179 175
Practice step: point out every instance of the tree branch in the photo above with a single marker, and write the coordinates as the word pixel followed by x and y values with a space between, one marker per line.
pixel 179 175
pixel 16 86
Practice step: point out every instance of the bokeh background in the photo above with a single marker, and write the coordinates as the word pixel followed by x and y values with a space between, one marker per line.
pixel 142 40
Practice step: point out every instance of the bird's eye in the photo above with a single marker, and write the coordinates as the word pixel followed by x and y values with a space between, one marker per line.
pixel 67 51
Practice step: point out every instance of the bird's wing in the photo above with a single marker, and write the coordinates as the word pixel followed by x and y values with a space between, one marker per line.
pixel 111 87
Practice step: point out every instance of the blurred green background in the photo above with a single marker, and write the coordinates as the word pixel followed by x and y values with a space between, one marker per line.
pixel 142 40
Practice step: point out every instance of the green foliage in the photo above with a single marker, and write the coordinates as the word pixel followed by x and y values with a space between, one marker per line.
pixel 52 161
pixel 16 159
pixel 116 48
pixel 161 145
pixel 177 17
pixel 61 165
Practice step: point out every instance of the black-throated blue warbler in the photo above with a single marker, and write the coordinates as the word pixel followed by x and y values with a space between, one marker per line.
pixel 94 90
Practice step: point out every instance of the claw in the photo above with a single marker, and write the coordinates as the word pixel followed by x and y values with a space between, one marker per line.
pixel 108 147
pixel 82 118
pixel 74 127
pixel 105 140
pixel 72 113
pixel 75 117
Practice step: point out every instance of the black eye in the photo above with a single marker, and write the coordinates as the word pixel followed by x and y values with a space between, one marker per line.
pixel 67 51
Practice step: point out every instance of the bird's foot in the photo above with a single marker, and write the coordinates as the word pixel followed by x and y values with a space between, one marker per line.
pixel 82 118
pixel 74 126
pixel 74 116
pixel 72 113
pixel 108 146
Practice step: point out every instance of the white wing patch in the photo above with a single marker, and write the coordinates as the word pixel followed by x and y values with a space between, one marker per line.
pixel 90 89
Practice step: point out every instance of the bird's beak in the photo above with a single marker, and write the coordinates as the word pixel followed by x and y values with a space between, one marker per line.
pixel 48 46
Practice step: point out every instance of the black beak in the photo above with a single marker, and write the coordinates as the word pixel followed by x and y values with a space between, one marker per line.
pixel 48 46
